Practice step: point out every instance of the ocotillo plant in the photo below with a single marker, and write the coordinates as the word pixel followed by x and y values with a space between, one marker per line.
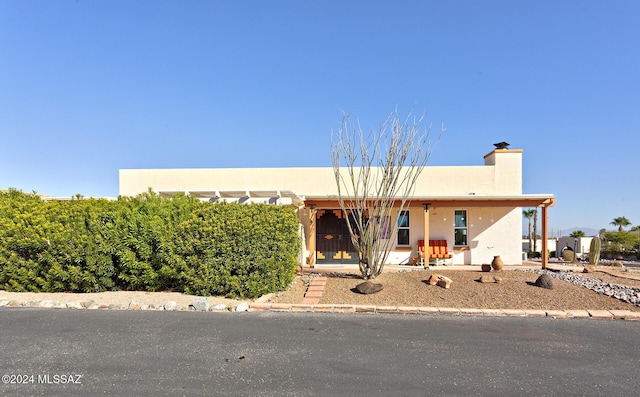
pixel 594 251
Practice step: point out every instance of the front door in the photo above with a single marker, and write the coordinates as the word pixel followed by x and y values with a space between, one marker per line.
pixel 333 242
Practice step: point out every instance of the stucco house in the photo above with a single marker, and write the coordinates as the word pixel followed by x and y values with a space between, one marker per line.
pixel 476 209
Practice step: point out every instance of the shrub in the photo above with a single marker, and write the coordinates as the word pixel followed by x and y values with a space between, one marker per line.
pixel 146 242
pixel 534 254
pixel 239 250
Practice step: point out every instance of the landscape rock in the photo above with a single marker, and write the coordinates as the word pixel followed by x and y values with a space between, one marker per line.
pixel 171 305
pixel 133 305
pixel 242 307
pixel 4 302
pixel 624 293
pixel 219 306
pixel 47 303
pixel 200 304
pixel 487 279
pixel 433 280
pixel 75 305
pixel 368 287
pixel 86 304
pixel 444 282
pixel 545 281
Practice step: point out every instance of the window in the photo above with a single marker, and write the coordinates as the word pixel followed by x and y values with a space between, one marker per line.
pixel 386 227
pixel 403 228
pixel 460 228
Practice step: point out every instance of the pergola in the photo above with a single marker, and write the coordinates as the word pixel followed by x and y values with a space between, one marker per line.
pixel 277 197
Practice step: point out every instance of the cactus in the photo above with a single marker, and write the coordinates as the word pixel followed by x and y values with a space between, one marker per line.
pixel 568 255
pixel 594 251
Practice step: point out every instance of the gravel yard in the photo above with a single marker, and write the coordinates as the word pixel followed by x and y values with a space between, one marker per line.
pixel 516 290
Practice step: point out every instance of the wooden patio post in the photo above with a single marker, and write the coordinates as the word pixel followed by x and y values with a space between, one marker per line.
pixel 426 235
pixel 545 237
pixel 311 260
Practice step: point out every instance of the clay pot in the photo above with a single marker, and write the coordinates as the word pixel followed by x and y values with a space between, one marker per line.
pixel 497 264
pixel 486 268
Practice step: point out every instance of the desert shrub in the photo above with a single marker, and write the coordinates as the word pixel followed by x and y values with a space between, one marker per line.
pixel 146 242
pixel 239 250
pixel 50 245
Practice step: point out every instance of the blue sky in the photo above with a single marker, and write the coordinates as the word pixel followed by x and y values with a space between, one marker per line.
pixel 90 87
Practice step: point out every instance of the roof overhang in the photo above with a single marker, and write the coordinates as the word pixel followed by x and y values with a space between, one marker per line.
pixel 523 200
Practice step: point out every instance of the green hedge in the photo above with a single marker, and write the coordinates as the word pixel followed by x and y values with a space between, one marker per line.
pixel 145 243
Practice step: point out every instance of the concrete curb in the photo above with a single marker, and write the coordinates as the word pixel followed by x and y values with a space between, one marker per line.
pixel 341 308
pixel 263 305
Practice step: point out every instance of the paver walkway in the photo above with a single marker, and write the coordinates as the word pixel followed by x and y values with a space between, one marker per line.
pixel 314 292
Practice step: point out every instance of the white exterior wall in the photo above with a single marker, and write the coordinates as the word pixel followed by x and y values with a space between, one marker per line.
pixel 501 175
pixel 487 228
pixel 551 243
pixel 491 230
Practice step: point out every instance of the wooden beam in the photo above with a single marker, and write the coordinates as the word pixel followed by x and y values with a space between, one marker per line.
pixel 492 203
pixel 497 202
pixel 426 236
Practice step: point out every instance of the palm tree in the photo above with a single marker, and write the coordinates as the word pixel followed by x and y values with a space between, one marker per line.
pixel 529 215
pixel 577 233
pixel 621 222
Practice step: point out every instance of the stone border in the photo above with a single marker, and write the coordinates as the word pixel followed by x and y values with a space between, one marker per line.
pixel 263 305
pixel 200 305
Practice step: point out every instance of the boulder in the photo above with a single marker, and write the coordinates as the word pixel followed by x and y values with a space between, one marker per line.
pixel 368 288
pixel 242 307
pixel 545 281
pixel 200 304
pixel 171 305
pixel 487 279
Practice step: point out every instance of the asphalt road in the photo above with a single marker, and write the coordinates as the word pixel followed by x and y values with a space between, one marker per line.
pixel 83 353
